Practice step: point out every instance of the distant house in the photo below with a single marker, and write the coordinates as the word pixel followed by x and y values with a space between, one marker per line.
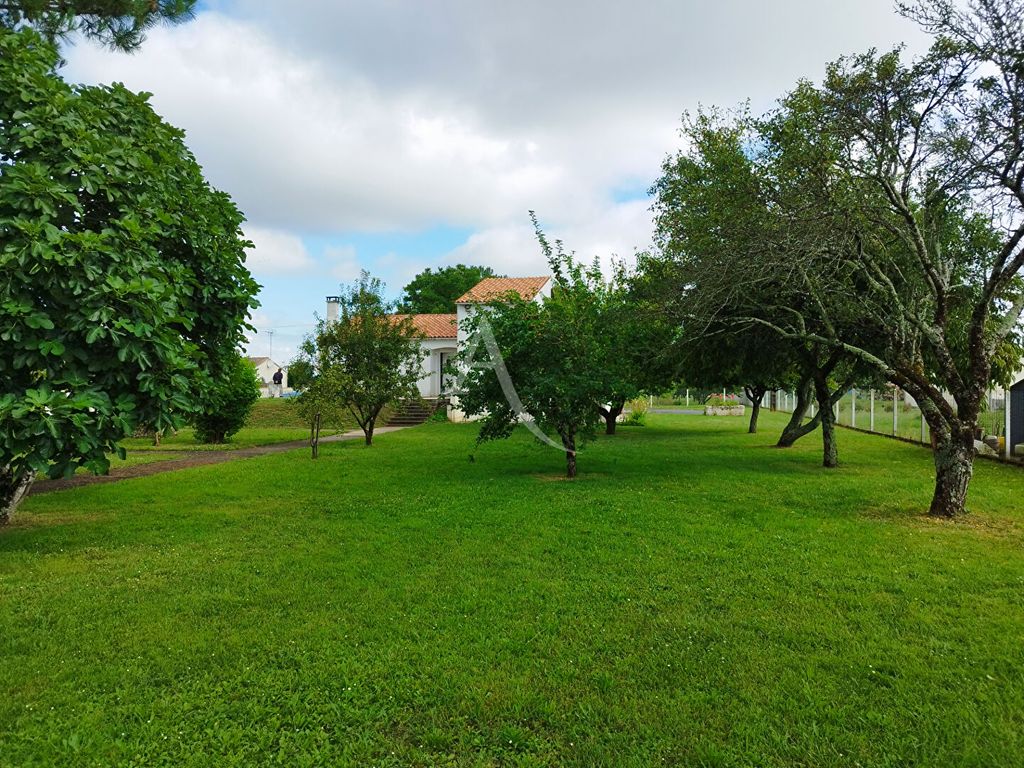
pixel 265 370
pixel 445 334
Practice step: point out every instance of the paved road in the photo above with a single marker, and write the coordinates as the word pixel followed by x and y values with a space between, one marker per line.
pixel 191 459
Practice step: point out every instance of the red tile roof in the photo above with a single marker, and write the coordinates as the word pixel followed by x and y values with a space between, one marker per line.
pixel 495 287
pixel 433 326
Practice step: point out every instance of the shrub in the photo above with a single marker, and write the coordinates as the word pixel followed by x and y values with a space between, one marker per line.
pixel 718 401
pixel 229 402
pixel 637 412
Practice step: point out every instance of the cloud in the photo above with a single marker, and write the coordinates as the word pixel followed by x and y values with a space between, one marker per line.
pixel 343 116
pixel 276 253
pixel 342 262
pixel 328 119
pixel 616 231
pixel 303 147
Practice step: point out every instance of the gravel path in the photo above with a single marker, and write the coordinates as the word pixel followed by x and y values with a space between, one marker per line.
pixel 190 459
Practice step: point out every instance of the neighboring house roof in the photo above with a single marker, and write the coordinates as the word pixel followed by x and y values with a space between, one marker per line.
pixel 257 360
pixel 495 287
pixel 433 326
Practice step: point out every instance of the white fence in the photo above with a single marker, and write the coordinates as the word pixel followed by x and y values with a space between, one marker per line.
pixel 894 413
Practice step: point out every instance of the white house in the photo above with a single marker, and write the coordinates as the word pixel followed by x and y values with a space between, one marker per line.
pixel 265 369
pixel 439 343
pixel 445 334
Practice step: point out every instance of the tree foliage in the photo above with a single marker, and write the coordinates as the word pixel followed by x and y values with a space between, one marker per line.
pixel 300 373
pixel 369 357
pixel 122 275
pixel 435 291
pixel 637 337
pixel 726 248
pixel 118 24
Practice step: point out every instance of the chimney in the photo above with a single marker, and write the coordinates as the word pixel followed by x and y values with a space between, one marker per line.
pixel 332 308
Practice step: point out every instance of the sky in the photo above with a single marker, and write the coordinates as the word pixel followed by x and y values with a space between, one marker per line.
pixel 402 134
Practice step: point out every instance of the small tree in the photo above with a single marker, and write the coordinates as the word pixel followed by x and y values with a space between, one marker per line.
pixel 229 401
pixel 370 357
pixel 122 273
pixel 319 406
pixel 551 369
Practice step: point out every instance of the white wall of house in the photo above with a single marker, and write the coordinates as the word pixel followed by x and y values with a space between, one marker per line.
pixel 437 351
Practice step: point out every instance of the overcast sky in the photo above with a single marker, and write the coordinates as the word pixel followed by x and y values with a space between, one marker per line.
pixel 400 134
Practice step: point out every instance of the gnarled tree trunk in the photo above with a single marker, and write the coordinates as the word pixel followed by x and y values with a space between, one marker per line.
pixel 13 489
pixel 953 453
pixel 314 435
pixel 796 428
pixel 755 394
pixel 569 442
pixel 611 415
pixel 830 449
pixel 954 467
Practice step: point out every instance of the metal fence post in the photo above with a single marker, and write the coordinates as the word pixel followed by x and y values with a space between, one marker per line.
pixel 871 411
pixel 853 408
pixel 895 411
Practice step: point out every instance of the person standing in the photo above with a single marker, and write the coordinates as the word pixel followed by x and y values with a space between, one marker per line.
pixel 277 390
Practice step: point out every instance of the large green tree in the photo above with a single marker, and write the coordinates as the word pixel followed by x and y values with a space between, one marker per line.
pixel 435 291
pixel 369 357
pixel 728 248
pixel 119 24
pixel 122 272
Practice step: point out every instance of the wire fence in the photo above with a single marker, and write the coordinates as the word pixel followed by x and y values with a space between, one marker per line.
pixel 894 413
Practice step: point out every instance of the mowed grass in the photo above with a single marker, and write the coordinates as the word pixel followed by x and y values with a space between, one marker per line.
pixel 246 437
pixel 696 597
pixel 272 420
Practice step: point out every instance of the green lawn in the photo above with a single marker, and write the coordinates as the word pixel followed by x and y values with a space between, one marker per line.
pixel 136 458
pixel 246 437
pixel 696 597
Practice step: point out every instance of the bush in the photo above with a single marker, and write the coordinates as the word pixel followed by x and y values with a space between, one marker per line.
pixel 637 412
pixel 229 402
pixel 718 401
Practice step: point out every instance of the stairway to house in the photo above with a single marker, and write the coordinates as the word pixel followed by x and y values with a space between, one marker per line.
pixel 409 413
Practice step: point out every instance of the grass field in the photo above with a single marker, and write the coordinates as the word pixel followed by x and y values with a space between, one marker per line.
pixel 696 597
pixel 272 420
pixel 246 437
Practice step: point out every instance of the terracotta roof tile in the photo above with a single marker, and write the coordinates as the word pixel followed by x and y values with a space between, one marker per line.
pixel 433 326
pixel 495 287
